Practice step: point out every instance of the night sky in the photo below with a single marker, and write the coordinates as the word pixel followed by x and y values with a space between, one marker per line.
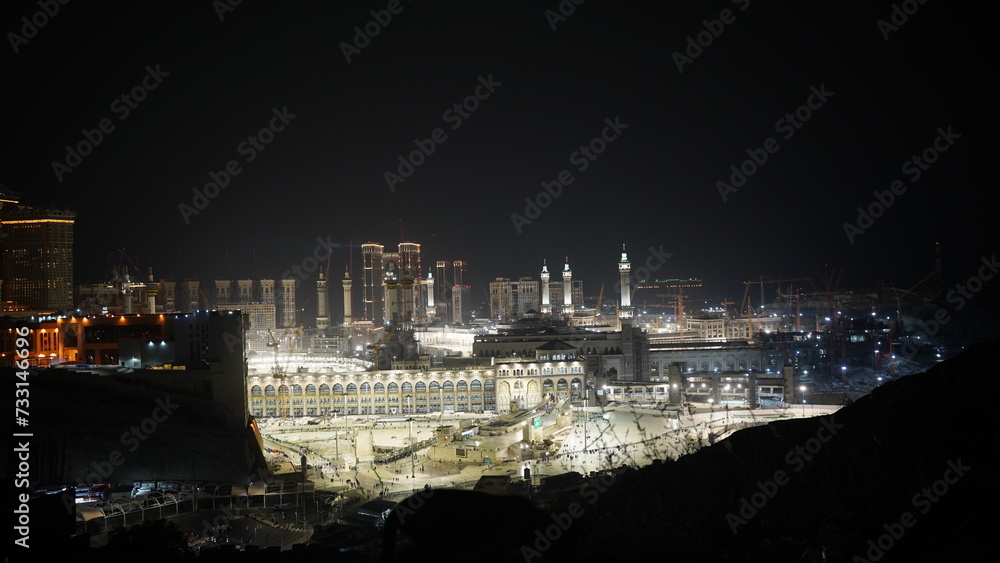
pixel 555 82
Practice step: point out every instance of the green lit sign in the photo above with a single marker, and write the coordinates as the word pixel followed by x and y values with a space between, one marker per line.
pixel 536 422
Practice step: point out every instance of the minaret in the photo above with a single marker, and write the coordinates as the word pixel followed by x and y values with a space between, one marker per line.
pixel 546 306
pixel 624 272
pixel 152 288
pixel 431 309
pixel 127 290
pixel 348 317
pixel 322 315
pixel 567 276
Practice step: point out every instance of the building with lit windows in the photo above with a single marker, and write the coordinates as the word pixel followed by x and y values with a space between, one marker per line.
pixel 201 354
pixel 509 384
pixel 37 255
pixel 262 324
pixel 513 299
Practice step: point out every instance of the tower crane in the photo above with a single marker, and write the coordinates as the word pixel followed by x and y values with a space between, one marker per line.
pixel 600 298
pixel 761 282
pixel 278 370
pixel 374 348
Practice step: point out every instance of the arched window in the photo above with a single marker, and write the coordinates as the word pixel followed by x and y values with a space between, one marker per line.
pixel 448 386
pixel 311 389
pixel 283 389
pixel 255 390
pixel 421 386
pixel 435 386
pixel 365 388
pixel 476 385
pixel 407 386
pixel 393 388
pixel 338 388
pixel 324 388
pixel 461 386
pixel 351 388
pixel 379 388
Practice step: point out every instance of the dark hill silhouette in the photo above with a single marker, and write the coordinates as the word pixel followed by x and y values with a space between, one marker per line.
pixel 882 458
pixel 457 525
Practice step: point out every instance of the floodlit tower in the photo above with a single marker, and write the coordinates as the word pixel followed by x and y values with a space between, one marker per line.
pixel 127 290
pixel 567 278
pixel 322 315
pixel 151 290
pixel 624 272
pixel 373 298
pixel 546 306
pixel 348 318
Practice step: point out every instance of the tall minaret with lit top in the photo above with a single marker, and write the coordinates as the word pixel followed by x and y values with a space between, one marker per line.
pixel 348 315
pixel 546 306
pixel 431 311
pixel 567 278
pixel 322 315
pixel 624 272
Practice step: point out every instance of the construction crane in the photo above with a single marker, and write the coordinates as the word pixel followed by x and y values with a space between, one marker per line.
pixel 727 304
pixel 600 298
pixel 374 348
pixel 763 281
pixel 278 370
pixel 126 286
pixel 678 308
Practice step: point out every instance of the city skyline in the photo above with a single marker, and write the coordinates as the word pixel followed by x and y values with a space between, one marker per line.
pixel 739 138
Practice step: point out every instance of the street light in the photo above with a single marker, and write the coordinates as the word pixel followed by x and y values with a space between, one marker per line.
pixel 409 410
pixel 803 389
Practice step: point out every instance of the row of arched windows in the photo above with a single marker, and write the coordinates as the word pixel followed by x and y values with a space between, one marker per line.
pixel 406 386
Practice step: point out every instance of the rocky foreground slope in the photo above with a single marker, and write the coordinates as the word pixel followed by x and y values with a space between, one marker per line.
pixel 907 473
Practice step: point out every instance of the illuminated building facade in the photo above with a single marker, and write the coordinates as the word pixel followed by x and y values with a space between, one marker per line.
pixel 202 352
pixel 512 299
pixel 510 384
pixel 37 248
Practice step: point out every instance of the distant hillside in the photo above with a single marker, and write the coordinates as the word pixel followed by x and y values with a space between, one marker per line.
pixel 915 459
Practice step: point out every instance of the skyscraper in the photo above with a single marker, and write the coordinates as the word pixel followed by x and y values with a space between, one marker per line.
pixel 411 277
pixel 443 280
pixel 37 255
pixel 288 316
pixel 461 304
pixel 373 292
pixel 461 268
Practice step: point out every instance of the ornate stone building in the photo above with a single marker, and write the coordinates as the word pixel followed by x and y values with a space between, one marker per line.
pixel 554 372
